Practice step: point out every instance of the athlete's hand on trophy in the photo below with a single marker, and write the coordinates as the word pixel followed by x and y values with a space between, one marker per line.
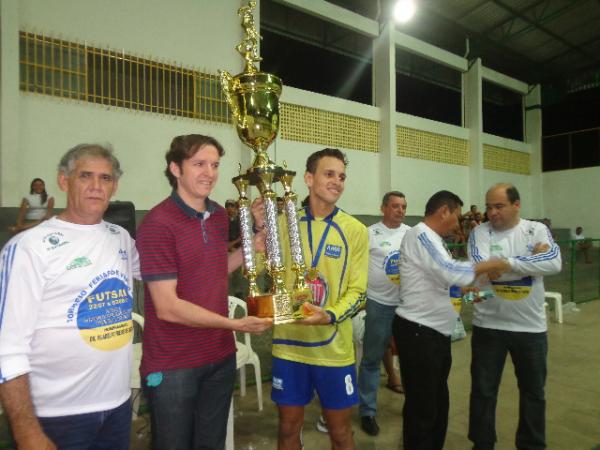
pixel 314 315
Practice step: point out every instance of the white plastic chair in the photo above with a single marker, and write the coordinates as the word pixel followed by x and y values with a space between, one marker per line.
pixel 245 354
pixel 135 381
pixel 557 297
pixel 229 442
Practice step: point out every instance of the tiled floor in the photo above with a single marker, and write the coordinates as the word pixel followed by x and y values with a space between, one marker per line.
pixel 572 392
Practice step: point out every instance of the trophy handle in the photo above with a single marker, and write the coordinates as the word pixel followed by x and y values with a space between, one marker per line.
pixel 227 86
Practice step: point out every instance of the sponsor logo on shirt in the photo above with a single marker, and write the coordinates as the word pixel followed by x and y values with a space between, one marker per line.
pixel 123 254
pixel 513 290
pixel 103 316
pixel 77 263
pixel 333 251
pixel 456 297
pixel 385 244
pixel 54 240
pixel 319 290
pixel 113 229
pixel 391 265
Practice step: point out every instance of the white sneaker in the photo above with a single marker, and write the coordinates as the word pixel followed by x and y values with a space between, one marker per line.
pixel 322 425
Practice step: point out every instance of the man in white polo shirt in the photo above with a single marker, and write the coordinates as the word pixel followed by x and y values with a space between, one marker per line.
pixel 514 321
pixel 425 319
pixel 383 291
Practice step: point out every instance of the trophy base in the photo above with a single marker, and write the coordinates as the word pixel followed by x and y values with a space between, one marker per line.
pixel 275 306
pixel 260 306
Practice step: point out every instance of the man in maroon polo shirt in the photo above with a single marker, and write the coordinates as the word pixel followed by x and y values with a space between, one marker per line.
pixel 188 362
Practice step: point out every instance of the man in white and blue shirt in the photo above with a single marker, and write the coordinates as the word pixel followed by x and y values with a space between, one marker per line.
pixel 425 319
pixel 513 321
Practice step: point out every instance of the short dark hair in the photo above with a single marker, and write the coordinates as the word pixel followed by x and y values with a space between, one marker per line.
pixel 230 202
pixel 387 195
pixel 313 160
pixel 184 147
pixel 512 194
pixel 441 198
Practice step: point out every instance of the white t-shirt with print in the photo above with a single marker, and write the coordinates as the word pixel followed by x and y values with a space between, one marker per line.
pixel 66 304
pixel 384 257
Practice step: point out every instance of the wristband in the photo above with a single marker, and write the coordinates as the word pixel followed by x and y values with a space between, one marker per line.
pixel 331 316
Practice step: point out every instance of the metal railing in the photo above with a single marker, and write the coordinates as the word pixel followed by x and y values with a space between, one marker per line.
pixel 82 72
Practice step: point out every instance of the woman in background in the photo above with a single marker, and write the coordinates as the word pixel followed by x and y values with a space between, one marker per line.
pixel 35 207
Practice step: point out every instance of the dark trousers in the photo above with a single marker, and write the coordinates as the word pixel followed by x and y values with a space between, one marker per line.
pixel 103 430
pixel 528 352
pixel 425 362
pixel 189 407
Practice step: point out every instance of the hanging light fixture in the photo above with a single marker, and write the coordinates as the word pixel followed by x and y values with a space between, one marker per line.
pixel 404 10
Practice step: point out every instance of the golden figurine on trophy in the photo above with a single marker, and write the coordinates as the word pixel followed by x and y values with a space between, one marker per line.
pixel 253 98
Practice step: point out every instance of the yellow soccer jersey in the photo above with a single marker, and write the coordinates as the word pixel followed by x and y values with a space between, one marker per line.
pixel 340 245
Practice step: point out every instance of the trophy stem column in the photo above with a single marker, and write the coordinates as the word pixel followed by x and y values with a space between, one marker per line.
pixel 274 255
pixel 301 293
pixel 249 262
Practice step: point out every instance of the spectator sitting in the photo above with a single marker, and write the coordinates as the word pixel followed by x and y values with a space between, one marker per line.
pixel 474 216
pixel 456 240
pixel 583 244
pixel 35 207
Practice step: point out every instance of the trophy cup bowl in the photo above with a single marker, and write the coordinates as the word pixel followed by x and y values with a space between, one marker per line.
pixel 256 98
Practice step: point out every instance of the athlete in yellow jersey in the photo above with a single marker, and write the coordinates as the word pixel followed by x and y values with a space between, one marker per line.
pixel 338 288
pixel 320 357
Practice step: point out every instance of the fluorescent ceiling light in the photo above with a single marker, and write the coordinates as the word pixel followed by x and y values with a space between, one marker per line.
pixel 404 10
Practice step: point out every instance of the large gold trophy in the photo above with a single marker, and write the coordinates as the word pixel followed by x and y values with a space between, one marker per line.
pixel 253 98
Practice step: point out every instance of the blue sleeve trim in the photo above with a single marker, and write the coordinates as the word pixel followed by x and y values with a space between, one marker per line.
pixel 355 306
pixel 474 250
pixel 551 254
pixel 331 315
pixel 339 230
pixel 8 257
pixel 439 260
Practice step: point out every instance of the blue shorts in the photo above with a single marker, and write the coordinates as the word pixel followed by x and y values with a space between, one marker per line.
pixel 294 384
